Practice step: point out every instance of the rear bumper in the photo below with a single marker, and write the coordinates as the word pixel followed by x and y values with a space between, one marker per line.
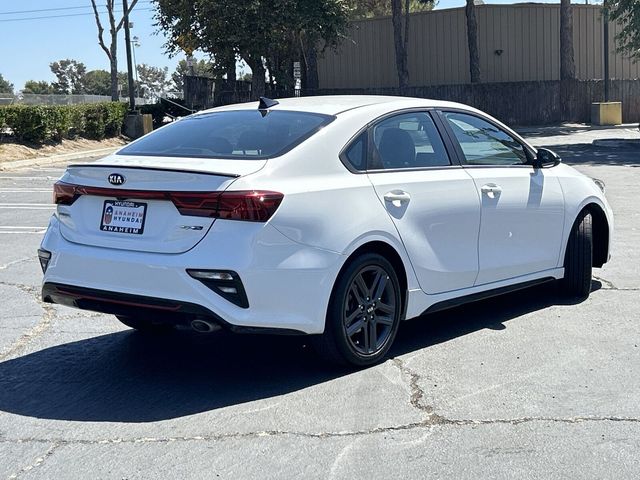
pixel 288 285
pixel 136 306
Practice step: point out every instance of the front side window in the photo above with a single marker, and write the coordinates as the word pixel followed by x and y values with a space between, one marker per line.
pixel 409 140
pixel 483 143
pixel 236 134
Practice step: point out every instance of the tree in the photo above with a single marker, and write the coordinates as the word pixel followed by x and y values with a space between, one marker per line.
pixel 567 61
pixel 401 37
pixel 627 14
pixel 154 81
pixel 41 87
pixel 382 8
pixel 97 82
pixel 472 40
pixel 70 76
pixel 201 68
pixel 261 32
pixel 401 41
pixel 5 85
pixel 112 51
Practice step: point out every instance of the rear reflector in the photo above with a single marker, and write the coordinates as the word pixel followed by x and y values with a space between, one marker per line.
pixel 247 205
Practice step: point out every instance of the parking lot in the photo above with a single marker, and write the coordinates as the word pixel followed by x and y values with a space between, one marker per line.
pixel 523 386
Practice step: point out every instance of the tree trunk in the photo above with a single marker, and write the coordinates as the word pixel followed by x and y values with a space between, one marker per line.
pixel 258 85
pixel 472 39
pixel 231 70
pixel 399 43
pixel 311 69
pixel 113 65
pixel 567 61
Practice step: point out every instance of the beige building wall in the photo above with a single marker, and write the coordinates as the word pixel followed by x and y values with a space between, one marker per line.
pixel 517 43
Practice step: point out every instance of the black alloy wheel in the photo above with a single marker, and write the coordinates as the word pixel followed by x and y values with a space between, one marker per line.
pixel 369 310
pixel 364 313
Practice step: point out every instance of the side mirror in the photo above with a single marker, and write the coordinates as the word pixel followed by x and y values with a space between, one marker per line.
pixel 545 158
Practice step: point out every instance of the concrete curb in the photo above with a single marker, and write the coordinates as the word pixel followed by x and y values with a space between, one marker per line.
pixel 42 161
pixel 617 142
pixel 551 130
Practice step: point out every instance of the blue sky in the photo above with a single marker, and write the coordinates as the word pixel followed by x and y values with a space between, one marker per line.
pixel 27 47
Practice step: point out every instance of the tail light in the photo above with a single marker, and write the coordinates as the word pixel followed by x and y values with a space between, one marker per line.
pixel 246 205
pixel 64 193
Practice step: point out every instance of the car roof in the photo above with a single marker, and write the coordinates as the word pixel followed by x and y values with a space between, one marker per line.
pixel 337 104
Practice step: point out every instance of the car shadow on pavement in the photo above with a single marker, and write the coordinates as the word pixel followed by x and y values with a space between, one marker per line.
pixel 130 377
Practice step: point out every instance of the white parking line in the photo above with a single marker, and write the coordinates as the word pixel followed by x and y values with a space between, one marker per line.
pixel 26 206
pixel 21 229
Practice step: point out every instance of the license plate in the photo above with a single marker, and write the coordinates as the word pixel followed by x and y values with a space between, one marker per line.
pixel 123 217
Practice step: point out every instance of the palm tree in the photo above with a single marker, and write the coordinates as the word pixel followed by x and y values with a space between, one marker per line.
pixel 567 61
pixel 472 39
pixel 401 40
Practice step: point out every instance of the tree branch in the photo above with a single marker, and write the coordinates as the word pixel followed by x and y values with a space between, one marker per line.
pixel 133 4
pixel 112 20
pixel 100 30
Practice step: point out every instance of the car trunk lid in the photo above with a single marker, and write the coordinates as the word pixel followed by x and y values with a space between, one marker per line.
pixel 135 205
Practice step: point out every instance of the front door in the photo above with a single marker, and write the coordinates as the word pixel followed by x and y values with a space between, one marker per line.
pixel 522 208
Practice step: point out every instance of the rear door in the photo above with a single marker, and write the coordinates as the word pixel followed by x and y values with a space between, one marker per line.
pixel 432 202
pixel 522 207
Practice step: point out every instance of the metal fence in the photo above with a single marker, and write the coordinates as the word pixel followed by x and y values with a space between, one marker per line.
pixel 517 43
pixel 516 103
pixel 34 99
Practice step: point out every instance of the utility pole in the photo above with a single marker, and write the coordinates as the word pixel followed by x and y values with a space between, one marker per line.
pixel 605 21
pixel 127 39
pixel 135 43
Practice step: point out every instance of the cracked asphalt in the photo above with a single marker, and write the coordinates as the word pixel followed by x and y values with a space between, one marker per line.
pixel 523 386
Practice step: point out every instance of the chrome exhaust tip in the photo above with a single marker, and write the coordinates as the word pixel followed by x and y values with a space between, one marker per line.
pixel 204 326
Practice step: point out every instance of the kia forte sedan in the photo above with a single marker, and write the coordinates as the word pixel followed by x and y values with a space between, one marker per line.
pixel 335 217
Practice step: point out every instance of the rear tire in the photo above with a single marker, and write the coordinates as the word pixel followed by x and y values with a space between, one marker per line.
pixel 144 325
pixel 578 260
pixel 364 313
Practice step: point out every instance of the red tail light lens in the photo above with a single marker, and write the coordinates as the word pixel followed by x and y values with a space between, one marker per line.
pixel 64 193
pixel 248 205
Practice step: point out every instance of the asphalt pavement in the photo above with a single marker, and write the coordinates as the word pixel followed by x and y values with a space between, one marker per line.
pixel 522 386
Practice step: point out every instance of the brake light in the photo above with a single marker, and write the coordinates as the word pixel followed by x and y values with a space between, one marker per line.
pixel 246 205
pixel 251 206
pixel 64 193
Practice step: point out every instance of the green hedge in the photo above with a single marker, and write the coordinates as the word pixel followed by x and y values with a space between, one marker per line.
pixel 40 123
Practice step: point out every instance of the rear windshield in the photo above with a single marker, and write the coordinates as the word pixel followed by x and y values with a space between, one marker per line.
pixel 241 134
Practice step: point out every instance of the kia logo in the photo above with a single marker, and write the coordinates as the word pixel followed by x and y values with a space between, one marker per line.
pixel 116 179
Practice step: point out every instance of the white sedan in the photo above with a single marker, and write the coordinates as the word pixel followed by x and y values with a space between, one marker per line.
pixel 336 217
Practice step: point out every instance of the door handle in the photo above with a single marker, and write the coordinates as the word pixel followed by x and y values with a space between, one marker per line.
pixel 491 190
pixel 397 197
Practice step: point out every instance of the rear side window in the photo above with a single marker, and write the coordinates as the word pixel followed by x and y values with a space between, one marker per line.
pixel 237 134
pixel 356 153
pixel 409 140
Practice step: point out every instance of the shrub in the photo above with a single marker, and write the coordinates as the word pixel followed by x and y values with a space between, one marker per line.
pixel 95 122
pixel 39 123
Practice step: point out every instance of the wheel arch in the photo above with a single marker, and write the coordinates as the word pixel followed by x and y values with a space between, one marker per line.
pixel 391 254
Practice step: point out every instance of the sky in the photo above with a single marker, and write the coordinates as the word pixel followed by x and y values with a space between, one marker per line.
pixel 28 46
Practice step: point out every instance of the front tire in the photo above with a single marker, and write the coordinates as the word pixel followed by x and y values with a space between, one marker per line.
pixel 364 313
pixel 578 260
